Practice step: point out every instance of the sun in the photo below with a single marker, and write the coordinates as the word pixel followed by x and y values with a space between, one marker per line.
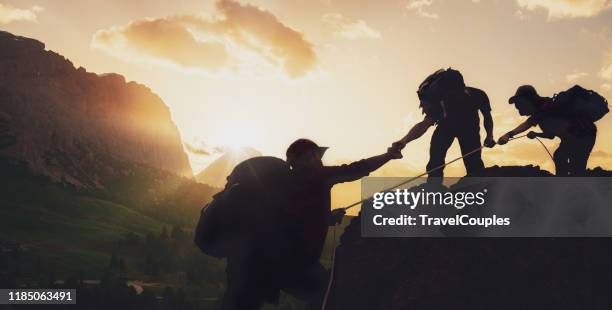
pixel 238 137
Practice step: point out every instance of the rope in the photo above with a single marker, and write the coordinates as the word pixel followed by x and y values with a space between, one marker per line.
pixel 333 254
pixel 430 171
pixel 547 151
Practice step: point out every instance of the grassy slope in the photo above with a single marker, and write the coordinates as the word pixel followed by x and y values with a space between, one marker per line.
pixel 73 230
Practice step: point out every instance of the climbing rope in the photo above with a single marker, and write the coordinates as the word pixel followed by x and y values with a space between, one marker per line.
pixel 547 151
pixel 333 253
pixel 432 170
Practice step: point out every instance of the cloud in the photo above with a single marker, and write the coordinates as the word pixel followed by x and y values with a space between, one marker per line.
pixel 163 40
pixel 202 149
pixel 240 38
pixel 573 77
pixel 343 27
pixel 10 14
pixel 419 6
pixel 606 73
pixel 567 8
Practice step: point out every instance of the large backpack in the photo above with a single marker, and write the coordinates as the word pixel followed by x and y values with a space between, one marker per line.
pixel 435 88
pixel 578 101
pixel 252 207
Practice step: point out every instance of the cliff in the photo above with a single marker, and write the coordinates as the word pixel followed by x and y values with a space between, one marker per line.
pixel 472 273
pixel 70 124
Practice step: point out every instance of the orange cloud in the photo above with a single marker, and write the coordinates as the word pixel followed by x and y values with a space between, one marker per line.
pixel 163 40
pixel 238 36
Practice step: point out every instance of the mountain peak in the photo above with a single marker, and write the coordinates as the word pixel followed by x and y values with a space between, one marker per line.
pixel 70 124
pixel 216 173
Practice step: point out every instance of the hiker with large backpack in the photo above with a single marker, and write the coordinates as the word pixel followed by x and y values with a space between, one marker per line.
pixel 249 223
pixel 448 103
pixel 270 222
pixel 569 115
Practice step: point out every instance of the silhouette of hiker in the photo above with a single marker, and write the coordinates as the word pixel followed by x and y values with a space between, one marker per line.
pixel 447 102
pixel 312 208
pixel 577 132
pixel 284 253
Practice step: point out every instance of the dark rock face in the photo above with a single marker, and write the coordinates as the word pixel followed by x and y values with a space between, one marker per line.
pixel 470 273
pixel 67 123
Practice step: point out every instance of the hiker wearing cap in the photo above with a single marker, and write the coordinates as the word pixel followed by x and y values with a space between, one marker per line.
pixel 569 115
pixel 312 207
pixel 453 107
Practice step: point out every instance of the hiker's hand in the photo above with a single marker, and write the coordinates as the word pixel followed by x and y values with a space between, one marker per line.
pixel 489 142
pixel 395 151
pixel 532 135
pixel 336 217
pixel 398 145
pixel 503 139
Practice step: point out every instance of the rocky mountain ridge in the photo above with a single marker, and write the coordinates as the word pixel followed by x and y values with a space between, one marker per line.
pixel 71 125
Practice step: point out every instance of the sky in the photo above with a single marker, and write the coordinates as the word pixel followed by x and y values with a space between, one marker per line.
pixel 344 73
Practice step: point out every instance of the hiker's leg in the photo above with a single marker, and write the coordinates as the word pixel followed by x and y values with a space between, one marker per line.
pixel 241 293
pixel 239 297
pixel 561 158
pixel 320 278
pixel 309 285
pixel 580 156
pixel 441 140
pixel 469 140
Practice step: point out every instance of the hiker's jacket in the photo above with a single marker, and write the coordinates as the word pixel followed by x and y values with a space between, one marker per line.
pixel 554 120
pixel 312 197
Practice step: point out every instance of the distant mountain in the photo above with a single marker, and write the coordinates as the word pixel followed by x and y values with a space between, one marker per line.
pixel 73 126
pixel 215 174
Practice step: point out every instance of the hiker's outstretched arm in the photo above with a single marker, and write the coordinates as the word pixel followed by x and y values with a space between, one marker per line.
pixel 524 126
pixel 359 169
pixel 541 135
pixel 418 130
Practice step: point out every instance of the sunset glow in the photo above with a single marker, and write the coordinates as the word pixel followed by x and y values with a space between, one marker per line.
pixel 262 73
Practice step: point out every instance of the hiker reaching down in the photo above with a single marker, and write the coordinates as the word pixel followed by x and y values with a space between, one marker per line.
pixel 569 115
pixel 448 103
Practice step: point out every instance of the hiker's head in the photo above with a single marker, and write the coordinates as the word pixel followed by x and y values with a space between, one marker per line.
pixel 304 153
pixel 526 100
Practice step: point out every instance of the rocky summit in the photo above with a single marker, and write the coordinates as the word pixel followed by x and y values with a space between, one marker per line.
pixel 472 273
pixel 72 125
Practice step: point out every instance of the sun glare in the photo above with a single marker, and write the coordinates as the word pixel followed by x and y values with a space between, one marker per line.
pixel 238 137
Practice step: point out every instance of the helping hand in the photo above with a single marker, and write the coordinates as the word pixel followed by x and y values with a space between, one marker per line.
pixel 503 139
pixel 532 135
pixel 336 216
pixel 489 142
pixel 395 150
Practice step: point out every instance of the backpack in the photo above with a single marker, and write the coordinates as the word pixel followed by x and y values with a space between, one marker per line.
pixel 578 101
pixel 252 207
pixel 435 88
